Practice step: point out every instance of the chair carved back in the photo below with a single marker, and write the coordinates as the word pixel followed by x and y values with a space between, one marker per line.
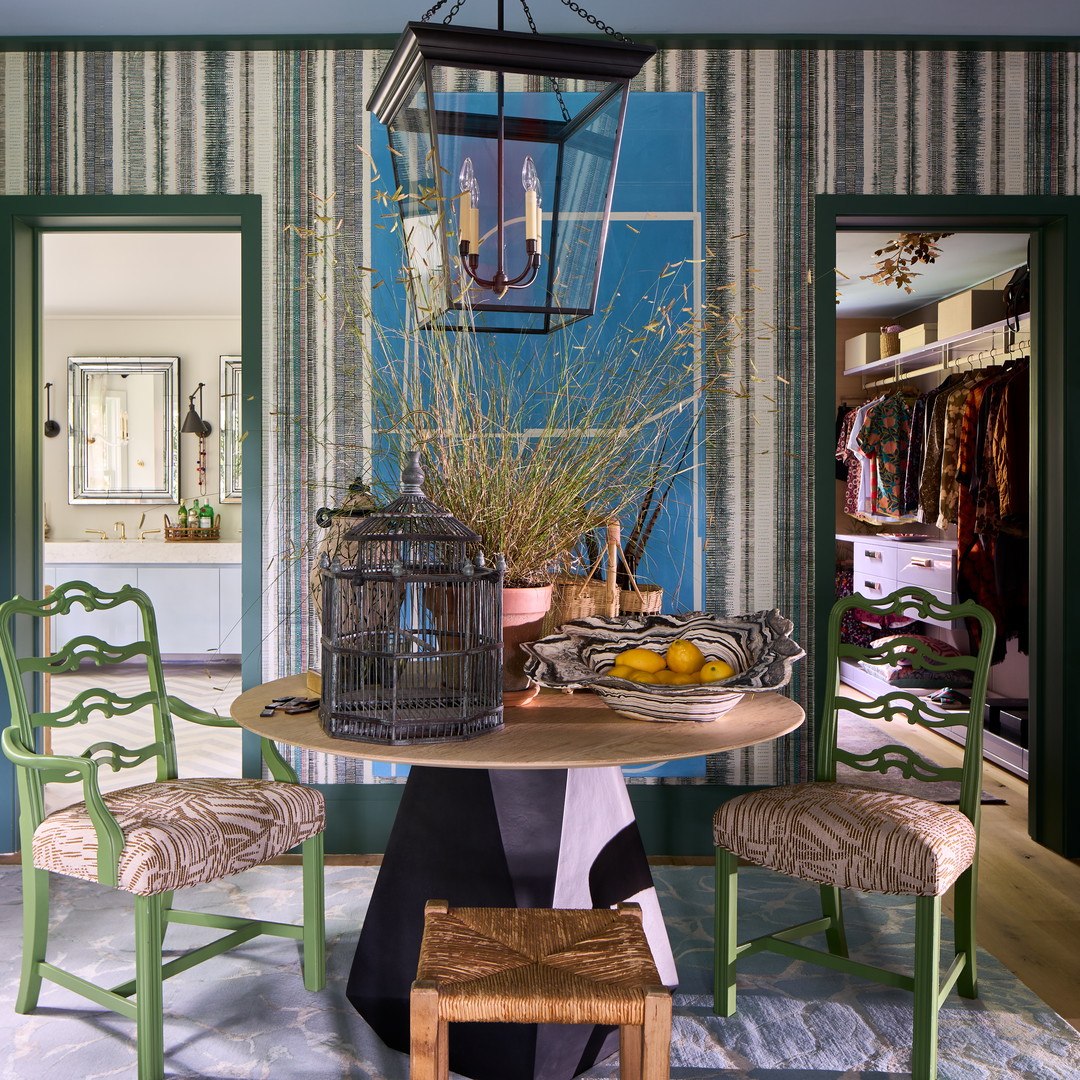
pixel 902 706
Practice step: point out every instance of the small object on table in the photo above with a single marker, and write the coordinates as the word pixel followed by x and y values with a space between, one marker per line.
pixel 290 705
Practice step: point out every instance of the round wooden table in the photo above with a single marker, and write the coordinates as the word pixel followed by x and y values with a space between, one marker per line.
pixel 534 815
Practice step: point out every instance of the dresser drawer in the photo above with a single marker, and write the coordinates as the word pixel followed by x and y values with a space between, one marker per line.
pixel 930 568
pixel 873 557
pixel 873 585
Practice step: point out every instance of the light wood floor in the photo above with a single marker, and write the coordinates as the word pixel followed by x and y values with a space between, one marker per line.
pixel 1029 898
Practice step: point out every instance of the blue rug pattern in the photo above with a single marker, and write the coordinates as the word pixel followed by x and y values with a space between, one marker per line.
pixel 246 1015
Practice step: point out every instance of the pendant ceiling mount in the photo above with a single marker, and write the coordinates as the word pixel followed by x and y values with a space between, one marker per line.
pixel 504 148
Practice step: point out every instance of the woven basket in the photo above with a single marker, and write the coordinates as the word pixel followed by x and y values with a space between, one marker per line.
pixel 645 598
pixel 890 343
pixel 572 599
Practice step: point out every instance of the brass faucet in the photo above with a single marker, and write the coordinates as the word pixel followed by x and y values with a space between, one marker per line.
pixel 98 532
pixel 144 533
pixel 120 525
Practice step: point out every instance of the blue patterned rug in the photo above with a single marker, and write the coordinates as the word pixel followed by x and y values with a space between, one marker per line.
pixel 246 1015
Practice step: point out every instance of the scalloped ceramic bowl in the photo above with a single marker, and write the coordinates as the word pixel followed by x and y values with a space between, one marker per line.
pixel 758 646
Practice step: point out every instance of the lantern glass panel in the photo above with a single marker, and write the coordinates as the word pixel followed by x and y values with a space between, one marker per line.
pixel 467 128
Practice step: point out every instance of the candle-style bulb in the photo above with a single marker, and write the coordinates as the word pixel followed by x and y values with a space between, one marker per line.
pixel 530 181
pixel 469 207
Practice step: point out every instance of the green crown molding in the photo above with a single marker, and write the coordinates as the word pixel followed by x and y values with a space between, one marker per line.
pixel 700 41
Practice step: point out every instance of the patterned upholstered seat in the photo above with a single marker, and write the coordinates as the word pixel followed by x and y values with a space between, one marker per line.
pixel 149 839
pixel 856 838
pixel 844 836
pixel 539 966
pixel 179 833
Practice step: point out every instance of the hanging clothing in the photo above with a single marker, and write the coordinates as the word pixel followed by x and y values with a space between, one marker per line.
pixel 884 438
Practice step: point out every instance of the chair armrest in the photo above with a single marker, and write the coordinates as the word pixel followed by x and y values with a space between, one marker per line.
pixel 110 838
pixel 181 708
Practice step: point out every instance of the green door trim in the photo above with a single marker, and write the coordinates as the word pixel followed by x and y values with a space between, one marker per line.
pixel 22 219
pixel 1054 221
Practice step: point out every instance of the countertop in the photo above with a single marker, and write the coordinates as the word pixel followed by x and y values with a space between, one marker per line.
pixel 95 552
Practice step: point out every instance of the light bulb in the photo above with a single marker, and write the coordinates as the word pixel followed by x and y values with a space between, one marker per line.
pixel 530 181
pixel 469 206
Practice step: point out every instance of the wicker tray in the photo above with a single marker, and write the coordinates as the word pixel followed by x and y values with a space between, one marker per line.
pixel 192 532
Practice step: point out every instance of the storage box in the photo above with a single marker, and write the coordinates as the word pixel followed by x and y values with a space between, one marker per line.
pixel 864 349
pixel 918 336
pixel 968 311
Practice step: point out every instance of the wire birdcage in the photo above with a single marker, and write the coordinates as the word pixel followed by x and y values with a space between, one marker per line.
pixel 412 630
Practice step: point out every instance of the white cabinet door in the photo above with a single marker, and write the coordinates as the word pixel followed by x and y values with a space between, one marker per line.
pixel 187 607
pixel 117 626
pixel 231 611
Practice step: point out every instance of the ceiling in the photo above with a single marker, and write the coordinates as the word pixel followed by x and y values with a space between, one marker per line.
pixel 67 18
pixel 141 274
pixel 966 259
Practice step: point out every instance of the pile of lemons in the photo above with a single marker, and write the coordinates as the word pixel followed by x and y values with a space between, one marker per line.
pixel 684 664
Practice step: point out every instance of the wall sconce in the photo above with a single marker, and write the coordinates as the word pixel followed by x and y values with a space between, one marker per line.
pixel 505 195
pixel 193 423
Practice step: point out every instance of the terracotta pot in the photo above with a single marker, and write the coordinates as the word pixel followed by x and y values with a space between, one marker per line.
pixel 523 620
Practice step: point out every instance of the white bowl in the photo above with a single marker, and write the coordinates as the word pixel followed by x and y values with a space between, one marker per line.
pixel 758 646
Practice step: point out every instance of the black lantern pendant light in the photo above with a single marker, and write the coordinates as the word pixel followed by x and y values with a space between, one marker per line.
pixel 504 193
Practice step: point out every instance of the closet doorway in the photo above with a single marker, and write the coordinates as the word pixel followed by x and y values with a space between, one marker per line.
pixel 1038 346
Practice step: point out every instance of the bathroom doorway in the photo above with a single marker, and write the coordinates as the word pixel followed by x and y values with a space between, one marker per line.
pixel 136 325
pixel 24 221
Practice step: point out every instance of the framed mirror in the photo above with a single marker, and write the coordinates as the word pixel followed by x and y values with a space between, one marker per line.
pixel 124 429
pixel 232 431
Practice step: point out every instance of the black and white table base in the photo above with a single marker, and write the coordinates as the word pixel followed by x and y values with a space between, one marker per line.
pixel 562 838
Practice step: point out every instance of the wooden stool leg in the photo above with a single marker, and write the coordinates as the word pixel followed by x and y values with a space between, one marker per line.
pixel 656 1034
pixel 429 1058
pixel 631 1037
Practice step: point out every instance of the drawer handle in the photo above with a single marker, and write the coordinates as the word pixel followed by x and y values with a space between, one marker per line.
pixel 872 554
pixel 872 584
pixel 922 562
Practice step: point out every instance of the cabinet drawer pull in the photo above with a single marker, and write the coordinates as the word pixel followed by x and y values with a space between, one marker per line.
pixel 872 585
pixel 922 562
pixel 872 554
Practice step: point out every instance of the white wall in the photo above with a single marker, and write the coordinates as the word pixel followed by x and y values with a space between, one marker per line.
pixel 199 342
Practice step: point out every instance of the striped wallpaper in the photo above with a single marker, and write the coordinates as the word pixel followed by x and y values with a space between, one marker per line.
pixel 781 126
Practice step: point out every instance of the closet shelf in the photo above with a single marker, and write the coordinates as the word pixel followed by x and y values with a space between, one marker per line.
pixel 996 336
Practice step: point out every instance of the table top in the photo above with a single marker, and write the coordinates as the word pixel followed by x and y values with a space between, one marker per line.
pixel 554 731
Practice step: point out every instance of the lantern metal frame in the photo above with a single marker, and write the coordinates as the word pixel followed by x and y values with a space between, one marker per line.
pixel 450 301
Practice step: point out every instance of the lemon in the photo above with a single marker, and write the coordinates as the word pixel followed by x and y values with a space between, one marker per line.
pixel 665 677
pixel 643 676
pixel 715 670
pixel 684 657
pixel 686 678
pixel 621 671
pixel 641 659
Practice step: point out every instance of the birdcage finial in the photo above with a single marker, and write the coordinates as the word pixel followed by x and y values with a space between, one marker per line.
pixel 412 475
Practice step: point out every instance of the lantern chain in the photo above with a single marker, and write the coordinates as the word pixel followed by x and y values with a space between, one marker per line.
pixel 594 21
pixel 554 82
pixel 446 19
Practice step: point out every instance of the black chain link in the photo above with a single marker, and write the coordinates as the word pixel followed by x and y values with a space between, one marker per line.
pixel 447 18
pixel 577 9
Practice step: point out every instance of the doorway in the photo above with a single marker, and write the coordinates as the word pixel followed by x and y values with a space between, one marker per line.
pixel 1054 228
pixel 23 222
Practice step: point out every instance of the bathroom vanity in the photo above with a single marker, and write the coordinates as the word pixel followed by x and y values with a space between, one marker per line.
pixel 195 589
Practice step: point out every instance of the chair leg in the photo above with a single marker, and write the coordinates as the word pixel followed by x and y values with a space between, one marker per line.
pixel 725 941
pixel 656 1034
pixel 927 983
pixel 832 908
pixel 967 985
pixel 631 1039
pixel 314 962
pixel 429 1047
pixel 150 1038
pixel 35 884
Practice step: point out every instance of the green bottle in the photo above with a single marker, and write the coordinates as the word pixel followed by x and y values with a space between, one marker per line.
pixel 193 515
pixel 181 515
pixel 206 518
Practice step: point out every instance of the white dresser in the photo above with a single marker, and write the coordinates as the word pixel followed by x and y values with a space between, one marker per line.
pixel 883 564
